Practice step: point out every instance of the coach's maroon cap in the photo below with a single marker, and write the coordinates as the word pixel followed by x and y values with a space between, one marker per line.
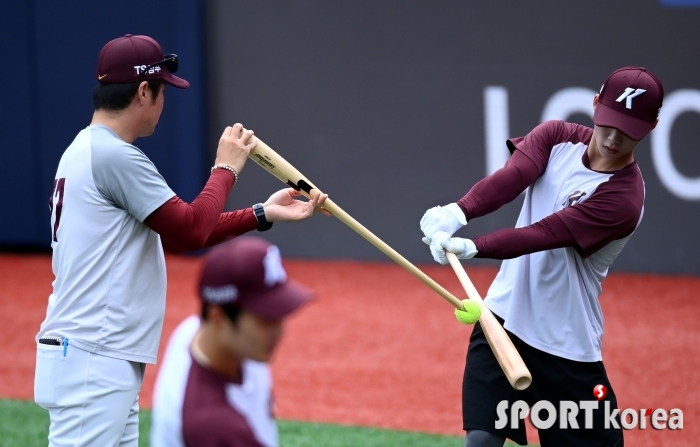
pixel 136 58
pixel 248 272
pixel 630 101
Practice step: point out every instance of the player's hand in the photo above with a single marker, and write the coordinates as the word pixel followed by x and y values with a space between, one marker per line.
pixel 462 248
pixel 441 242
pixel 283 207
pixel 436 249
pixel 234 146
pixel 448 218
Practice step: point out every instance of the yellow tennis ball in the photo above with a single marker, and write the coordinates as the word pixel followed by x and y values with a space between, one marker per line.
pixel 470 314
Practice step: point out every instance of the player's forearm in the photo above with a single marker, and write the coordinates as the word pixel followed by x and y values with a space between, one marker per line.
pixel 231 225
pixel 547 234
pixel 188 226
pixel 501 187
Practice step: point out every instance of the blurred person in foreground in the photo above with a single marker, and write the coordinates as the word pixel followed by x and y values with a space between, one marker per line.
pixel 214 387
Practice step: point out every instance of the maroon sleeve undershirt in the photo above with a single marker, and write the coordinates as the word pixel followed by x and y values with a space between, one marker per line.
pixel 186 227
pixel 547 234
pixel 501 187
pixel 529 160
pixel 612 212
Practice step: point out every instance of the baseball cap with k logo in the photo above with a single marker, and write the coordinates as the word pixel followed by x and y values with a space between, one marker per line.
pixel 630 101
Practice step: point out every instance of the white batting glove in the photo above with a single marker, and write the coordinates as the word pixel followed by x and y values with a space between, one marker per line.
pixel 462 248
pixel 436 248
pixel 448 218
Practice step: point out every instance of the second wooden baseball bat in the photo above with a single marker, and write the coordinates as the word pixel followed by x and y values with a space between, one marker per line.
pixel 502 346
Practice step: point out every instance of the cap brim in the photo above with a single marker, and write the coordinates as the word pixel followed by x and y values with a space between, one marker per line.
pixel 634 128
pixel 279 301
pixel 175 81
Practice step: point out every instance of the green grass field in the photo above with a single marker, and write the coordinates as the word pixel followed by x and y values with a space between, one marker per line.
pixel 25 424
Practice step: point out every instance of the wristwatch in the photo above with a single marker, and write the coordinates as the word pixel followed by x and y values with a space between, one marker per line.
pixel 263 224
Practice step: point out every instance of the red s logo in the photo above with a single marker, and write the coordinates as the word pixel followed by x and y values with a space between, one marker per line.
pixel 599 392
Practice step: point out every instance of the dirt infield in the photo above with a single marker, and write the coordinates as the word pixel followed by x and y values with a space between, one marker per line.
pixel 378 348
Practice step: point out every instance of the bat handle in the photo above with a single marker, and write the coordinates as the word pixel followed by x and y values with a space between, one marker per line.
pixel 467 284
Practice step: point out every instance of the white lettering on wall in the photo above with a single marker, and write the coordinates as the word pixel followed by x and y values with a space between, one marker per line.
pixel 675 104
pixel 566 102
pixel 497 127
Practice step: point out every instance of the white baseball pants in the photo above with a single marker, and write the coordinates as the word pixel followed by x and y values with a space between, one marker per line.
pixel 92 399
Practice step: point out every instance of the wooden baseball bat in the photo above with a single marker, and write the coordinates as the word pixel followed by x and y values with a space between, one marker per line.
pixel 512 364
pixel 509 359
pixel 272 162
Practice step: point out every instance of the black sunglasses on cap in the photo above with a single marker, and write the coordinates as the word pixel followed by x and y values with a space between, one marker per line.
pixel 169 60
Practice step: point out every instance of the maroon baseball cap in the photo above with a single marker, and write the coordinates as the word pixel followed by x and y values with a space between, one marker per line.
pixel 137 58
pixel 248 272
pixel 630 101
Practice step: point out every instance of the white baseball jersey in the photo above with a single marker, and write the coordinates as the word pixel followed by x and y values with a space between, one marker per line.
pixel 193 405
pixel 109 292
pixel 549 299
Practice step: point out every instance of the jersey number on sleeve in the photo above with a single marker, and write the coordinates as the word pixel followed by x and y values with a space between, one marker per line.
pixel 56 203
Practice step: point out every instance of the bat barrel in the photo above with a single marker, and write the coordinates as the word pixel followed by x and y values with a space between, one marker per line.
pixel 522 382
pixel 502 346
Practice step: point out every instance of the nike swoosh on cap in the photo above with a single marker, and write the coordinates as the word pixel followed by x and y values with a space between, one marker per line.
pixel 100 77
